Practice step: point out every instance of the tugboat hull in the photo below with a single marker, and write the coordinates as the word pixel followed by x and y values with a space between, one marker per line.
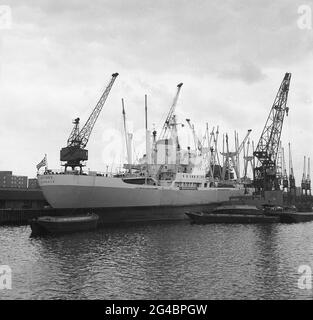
pixel 205 218
pixel 232 214
pixel 64 224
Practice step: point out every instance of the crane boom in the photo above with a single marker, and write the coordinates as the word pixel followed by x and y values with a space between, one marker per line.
pixel 85 132
pixel 265 175
pixel 197 142
pixel 243 142
pixel 167 124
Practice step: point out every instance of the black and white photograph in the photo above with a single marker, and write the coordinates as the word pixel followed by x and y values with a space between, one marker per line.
pixel 156 150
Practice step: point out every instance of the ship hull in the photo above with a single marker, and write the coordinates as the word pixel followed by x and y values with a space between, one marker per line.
pixel 114 200
pixel 54 225
pixel 245 217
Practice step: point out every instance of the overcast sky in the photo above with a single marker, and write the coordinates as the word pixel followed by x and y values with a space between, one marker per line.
pixel 58 56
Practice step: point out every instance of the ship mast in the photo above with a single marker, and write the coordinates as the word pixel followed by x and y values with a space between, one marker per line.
pixel 127 138
pixel 148 134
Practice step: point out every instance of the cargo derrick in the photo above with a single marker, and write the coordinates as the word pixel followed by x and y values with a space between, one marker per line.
pixel 75 153
pixel 197 142
pixel 265 174
pixel 233 157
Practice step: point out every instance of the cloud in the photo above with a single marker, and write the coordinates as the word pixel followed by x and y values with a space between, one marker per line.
pixel 246 71
pixel 174 36
pixel 58 56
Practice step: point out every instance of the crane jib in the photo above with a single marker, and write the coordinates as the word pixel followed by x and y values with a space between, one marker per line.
pixel 87 129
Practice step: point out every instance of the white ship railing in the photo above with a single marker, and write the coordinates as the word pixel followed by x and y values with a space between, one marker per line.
pixel 92 173
pixel 77 172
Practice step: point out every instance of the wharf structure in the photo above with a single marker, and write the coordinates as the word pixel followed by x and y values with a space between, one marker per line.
pixel 19 192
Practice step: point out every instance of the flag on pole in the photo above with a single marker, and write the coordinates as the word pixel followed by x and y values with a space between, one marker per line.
pixel 42 163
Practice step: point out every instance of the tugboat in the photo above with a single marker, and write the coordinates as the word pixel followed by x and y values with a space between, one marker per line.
pixel 64 224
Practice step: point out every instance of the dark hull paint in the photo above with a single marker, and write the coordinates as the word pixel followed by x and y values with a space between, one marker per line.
pixel 231 218
pixel 296 217
pixel 239 212
pixel 40 226
pixel 107 216
pixel 121 215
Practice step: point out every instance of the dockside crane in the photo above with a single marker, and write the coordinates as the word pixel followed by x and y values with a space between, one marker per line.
pixel 170 121
pixel 197 142
pixel 75 153
pixel 308 179
pixel 285 175
pixel 292 180
pixel 303 181
pixel 170 124
pixel 265 174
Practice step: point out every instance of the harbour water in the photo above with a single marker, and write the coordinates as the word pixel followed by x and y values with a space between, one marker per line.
pixel 160 261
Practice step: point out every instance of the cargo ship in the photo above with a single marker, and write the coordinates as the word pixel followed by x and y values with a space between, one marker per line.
pixel 118 198
pixel 162 186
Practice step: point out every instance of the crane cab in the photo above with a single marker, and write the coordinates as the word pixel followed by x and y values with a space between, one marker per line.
pixel 73 155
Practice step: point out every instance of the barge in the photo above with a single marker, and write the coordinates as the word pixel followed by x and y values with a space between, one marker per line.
pixel 232 214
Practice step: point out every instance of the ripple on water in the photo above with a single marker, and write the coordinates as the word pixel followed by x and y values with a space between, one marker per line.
pixel 171 261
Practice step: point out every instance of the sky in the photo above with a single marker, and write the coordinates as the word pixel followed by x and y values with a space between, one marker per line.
pixel 56 58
